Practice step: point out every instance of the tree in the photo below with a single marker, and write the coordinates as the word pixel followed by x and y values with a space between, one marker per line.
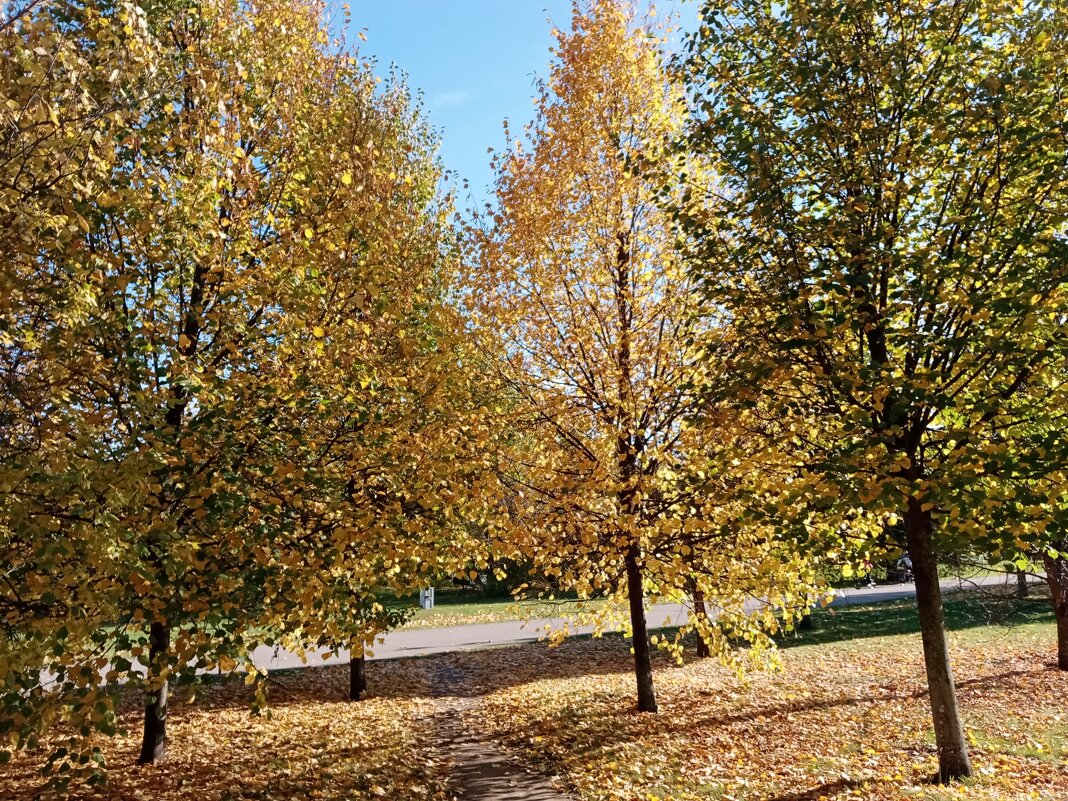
pixel 892 227
pixel 583 306
pixel 1056 565
pixel 63 117
pixel 1035 509
pixel 231 346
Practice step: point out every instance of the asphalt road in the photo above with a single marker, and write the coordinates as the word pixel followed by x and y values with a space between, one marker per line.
pixel 421 642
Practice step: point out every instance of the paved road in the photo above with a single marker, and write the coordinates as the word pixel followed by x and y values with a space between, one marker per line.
pixel 421 642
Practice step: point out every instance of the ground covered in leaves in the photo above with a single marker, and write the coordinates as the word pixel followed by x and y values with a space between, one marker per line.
pixel 846 718
pixel 313 744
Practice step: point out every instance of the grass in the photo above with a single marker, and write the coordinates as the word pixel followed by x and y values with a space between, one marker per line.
pixel 847 717
pixel 463 607
pixel 457 607
pixel 972 615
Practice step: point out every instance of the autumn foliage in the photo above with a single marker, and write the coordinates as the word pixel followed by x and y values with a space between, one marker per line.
pixel 891 229
pixel 232 410
pixel 741 317
pixel 593 329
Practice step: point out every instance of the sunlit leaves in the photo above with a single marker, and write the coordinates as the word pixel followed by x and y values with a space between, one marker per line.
pixel 579 293
pixel 891 240
pixel 234 404
pixel 892 230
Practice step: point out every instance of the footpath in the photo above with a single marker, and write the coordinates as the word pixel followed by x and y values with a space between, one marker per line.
pixel 473 636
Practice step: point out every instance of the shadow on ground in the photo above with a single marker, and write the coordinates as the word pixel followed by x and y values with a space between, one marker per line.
pixel 509 665
pixel 890 618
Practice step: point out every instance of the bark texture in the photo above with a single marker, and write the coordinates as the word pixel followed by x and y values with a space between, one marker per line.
pixel 1057 578
pixel 643 666
pixel 628 448
pixel 953 761
pixel 357 677
pixel 154 739
pixel 700 611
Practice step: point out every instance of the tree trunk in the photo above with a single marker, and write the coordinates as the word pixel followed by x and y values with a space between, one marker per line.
pixel 357 676
pixel 154 741
pixel 953 762
pixel 627 451
pixel 643 666
pixel 700 612
pixel 1057 578
pixel 1021 584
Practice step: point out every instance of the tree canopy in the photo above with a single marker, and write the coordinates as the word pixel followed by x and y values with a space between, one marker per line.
pixel 594 327
pixel 892 228
pixel 234 406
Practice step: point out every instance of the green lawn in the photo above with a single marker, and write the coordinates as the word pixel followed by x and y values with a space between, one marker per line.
pixel 963 611
pixel 461 607
pixel 971 614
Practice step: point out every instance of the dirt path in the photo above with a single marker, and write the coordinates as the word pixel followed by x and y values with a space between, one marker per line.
pixel 479 768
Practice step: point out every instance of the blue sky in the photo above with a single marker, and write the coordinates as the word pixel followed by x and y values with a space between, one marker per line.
pixel 474 61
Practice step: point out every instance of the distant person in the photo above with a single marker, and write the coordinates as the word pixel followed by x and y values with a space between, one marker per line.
pixel 903 568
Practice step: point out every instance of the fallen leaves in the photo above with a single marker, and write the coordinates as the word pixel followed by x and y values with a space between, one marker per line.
pixel 312 743
pixel 844 721
pixel 840 722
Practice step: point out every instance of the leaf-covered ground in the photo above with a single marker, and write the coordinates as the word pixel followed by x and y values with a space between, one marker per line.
pixel 312 745
pixel 846 718
pixel 843 720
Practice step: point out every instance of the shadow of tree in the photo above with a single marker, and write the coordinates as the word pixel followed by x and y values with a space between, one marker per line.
pixel 333 751
pixel 773 711
pixel 465 674
pixel 889 618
